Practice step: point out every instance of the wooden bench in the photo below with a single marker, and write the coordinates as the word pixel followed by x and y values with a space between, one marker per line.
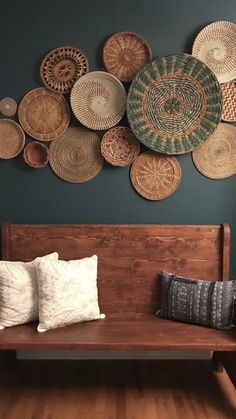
pixel 130 260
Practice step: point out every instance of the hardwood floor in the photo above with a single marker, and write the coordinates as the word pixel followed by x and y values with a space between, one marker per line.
pixel 116 390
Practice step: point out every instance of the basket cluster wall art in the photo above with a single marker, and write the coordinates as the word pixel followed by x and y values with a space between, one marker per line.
pixel 174 106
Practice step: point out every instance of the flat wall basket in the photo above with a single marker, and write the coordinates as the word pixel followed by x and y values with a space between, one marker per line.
pixel 119 146
pixel 215 45
pixel 44 115
pixel 62 67
pixel 98 100
pixel 229 101
pixel 12 139
pixel 125 53
pixel 174 104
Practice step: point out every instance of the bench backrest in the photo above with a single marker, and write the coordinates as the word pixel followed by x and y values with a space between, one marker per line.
pixel 130 256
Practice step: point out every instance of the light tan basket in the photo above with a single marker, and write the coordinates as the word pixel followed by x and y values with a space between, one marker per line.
pixel 8 106
pixel 98 100
pixel 12 139
pixel 215 45
pixel 216 158
pixel 155 176
pixel 229 101
pixel 119 146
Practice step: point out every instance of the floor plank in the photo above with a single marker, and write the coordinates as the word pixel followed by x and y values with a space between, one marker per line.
pixel 116 390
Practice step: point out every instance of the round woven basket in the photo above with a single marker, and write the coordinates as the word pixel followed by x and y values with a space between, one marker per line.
pixel 61 68
pixel 216 158
pixel 124 54
pixel 215 45
pixel 174 104
pixel 12 139
pixel 44 115
pixel 155 176
pixel 8 106
pixel 36 155
pixel 119 146
pixel 76 156
pixel 98 100
pixel 229 101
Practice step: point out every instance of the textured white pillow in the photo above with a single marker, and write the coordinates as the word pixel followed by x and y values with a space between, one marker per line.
pixel 67 292
pixel 19 291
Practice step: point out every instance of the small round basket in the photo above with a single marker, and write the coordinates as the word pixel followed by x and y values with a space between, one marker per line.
pixel 119 146
pixel 36 155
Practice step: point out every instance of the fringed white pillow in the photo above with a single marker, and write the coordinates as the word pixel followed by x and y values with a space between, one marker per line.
pixel 67 292
pixel 19 291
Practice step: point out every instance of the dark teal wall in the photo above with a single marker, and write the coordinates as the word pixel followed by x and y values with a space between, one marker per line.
pixel 28 30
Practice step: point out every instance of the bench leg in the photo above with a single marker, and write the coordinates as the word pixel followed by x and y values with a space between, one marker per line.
pixel 7 360
pixel 229 363
pixel 217 361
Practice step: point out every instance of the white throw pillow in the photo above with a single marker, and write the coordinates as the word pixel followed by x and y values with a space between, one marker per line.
pixel 19 291
pixel 67 292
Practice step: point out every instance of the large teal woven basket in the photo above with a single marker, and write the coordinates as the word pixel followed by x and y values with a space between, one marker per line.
pixel 174 104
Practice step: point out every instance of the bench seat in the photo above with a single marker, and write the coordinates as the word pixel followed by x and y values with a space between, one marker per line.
pixel 140 332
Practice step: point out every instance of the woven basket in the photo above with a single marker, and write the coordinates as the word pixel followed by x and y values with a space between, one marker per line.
pixel 98 100
pixel 216 158
pixel 36 155
pixel 229 101
pixel 8 106
pixel 62 67
pixel 215 45
pixel 119 146
pixel 76 156
pixel 12 139
pixel 124 54
pixel 155 176
pixel 174 104
pixel 44 115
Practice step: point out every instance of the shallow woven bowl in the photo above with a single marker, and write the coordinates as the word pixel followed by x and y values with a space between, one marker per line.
pixel 36 155
pixel 215 45
pixel 119 146
pixel 61 68
pixel 155 176
pixel 98 100
pixel 174 104
pixel 216 158
pixel 124 54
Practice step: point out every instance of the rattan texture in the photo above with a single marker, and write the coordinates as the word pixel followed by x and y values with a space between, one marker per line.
pixel 215 45
pixel 229 101
pixel 125 53
pixel 61 68
pixel 36 155
pixel 119 146
pixel 174 104
pixel 8 106
pixel 12 139
pixel 44 115
pixel 98 100
pixel 76 156
pixel 155 176
pixel 216 158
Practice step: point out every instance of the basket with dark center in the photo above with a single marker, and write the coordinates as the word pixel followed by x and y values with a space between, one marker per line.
pixel 36 155
pixel 119 146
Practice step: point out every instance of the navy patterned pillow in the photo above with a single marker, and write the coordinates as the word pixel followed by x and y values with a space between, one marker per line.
pixel 209 303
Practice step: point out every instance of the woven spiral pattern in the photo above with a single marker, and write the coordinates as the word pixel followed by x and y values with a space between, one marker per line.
pixel 98 100
pixel 119 146
pixel 44 115
pixel 215 45
pixel 12 139
pixel 229 101
pixel 76 156
pixel 124 54
pixel 216 158
pixel 174 104
pixel 155 176
pixel 62 67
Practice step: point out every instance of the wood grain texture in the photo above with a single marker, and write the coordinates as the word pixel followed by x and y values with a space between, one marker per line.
pixel 116 390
